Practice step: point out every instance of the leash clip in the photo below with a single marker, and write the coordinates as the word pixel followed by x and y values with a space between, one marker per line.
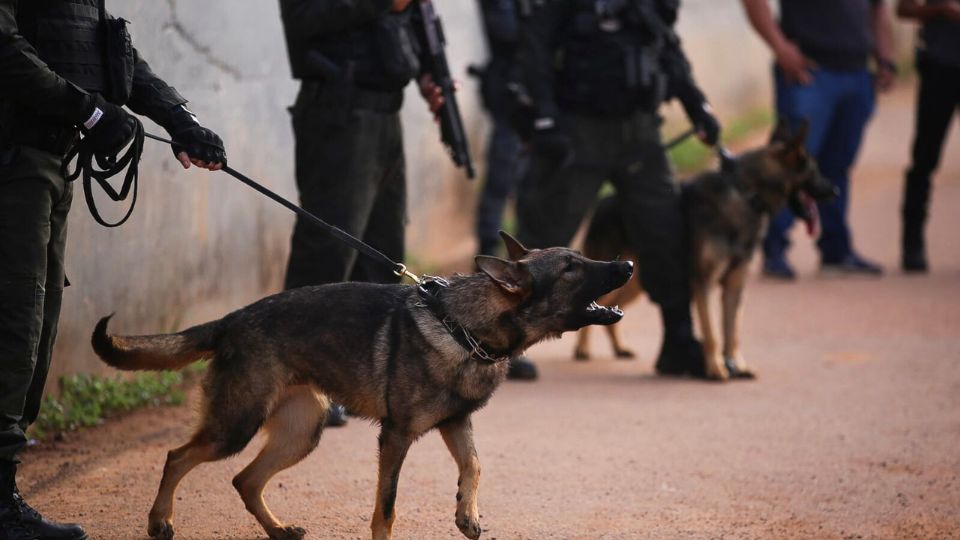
pixel 401 270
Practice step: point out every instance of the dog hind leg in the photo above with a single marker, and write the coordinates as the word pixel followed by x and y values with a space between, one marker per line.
pixel 458 435
pixel 236 405
pixel 621 297
pixel 180 461
pixel 582 351
pixel 293 431
pixel 394 444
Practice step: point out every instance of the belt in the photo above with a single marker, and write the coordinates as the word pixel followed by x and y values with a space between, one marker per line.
pixel 383 101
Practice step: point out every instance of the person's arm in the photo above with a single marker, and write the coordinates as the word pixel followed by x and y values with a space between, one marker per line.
pixel 305 19
pixel 535 56
pixel 151 96
pixel 883 45
pixel 681 85
pixel 28 81
pixel 925 11
pixel 795 65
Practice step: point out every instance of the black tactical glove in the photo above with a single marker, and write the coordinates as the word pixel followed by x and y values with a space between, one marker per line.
pixel 551 142
pixel 707 126
pixel 108 128
pixel 699 112
pixel 190 137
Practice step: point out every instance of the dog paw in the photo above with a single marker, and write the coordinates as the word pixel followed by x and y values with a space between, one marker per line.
pixel 580 355
pixel 738 370
pixel 719 374
pixel 288 533
pixel 469 527
pixel 625 354
pixel 161 530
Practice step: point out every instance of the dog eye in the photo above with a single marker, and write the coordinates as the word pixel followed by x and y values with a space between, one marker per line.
pixel 570 267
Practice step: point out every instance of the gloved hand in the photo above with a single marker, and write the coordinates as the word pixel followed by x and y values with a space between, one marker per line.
pixel 551 142
pixel 202 147
pixel 707 126
pixel 108 128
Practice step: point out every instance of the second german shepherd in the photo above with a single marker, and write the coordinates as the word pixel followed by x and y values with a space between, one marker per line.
pixel 411 358
pixel 724 213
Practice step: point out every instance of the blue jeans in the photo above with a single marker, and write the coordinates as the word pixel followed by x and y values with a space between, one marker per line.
pixel 506 164
pixel 838 105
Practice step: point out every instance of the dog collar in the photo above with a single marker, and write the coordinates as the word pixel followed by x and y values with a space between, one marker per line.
pixel 429 291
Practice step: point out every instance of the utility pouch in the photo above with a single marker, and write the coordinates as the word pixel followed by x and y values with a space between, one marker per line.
pixel 118 56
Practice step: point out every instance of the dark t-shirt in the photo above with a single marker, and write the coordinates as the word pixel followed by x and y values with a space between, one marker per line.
pixel 836 34
pixel 940 39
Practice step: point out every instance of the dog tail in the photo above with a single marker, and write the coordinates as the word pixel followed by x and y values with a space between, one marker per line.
pixel 157 352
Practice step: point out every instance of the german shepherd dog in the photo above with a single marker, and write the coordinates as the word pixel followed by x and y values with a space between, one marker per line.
pixel 411 358
pixel 724 213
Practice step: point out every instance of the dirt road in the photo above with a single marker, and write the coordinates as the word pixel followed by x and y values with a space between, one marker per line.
pixel 851 431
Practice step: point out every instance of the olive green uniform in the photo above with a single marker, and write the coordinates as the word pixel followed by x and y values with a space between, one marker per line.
pixel 49 64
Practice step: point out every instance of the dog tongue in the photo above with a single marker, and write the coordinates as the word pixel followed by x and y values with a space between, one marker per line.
pixel 813 215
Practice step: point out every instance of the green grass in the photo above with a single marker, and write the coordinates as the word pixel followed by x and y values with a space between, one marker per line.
pixel 86 400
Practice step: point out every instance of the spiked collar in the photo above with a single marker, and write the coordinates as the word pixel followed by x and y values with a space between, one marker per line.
pixel 429 290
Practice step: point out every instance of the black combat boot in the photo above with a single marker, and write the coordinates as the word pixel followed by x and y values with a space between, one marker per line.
pixel 681 353
pixel 916 197
pixel 522 369
pixel 914 251
pixel 18 521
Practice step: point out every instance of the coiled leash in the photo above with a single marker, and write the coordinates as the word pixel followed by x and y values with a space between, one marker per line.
pixel 398 268
pixel 107 166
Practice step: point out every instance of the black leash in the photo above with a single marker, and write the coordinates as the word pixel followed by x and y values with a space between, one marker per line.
pixel 338 233
pixel 679 139
pixel 109 166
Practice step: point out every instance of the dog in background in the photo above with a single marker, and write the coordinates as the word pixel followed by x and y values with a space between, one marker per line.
pixel 412 358
pixel 725 213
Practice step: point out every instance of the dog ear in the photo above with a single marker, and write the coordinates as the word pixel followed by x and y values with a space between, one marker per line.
pixel 510 276
pixel 799 139
pixel 781 133
pixel 515 249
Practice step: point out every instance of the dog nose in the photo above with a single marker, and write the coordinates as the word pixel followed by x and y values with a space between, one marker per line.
pixel 629 265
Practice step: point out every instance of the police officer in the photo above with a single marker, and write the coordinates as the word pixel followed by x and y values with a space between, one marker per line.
pixel 57 80
pixel 354 59
pixel 506 160
pixel 597 71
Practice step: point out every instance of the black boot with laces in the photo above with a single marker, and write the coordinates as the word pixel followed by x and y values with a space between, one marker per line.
pixel 19 521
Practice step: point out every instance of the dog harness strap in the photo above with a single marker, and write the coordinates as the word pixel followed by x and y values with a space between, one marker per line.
pixel 429 289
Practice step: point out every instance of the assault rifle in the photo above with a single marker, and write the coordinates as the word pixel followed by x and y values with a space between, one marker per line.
pixel 451 124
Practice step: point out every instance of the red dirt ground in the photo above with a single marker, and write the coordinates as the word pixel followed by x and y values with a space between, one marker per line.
pixel 851 431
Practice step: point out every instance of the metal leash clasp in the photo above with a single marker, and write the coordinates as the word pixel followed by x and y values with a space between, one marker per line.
pixel 401 270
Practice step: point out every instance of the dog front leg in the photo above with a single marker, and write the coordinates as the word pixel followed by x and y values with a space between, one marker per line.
pixel 394 444
pixel 714 365
pixel 458 435
pixel 732 299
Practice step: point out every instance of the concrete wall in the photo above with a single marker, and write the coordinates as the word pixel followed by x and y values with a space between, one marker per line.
pixel 199 244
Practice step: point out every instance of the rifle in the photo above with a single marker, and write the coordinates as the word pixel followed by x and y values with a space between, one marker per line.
pixel 451 124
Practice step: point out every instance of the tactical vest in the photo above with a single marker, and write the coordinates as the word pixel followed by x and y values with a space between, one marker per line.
pixel 67 36
pixel 611 65
pixel 380 55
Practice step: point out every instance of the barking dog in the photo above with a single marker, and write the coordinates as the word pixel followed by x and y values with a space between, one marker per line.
pixel 724 213
pixel 411 358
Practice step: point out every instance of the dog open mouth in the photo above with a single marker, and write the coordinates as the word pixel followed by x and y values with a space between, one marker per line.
pixel 805 207
pixel 603 315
